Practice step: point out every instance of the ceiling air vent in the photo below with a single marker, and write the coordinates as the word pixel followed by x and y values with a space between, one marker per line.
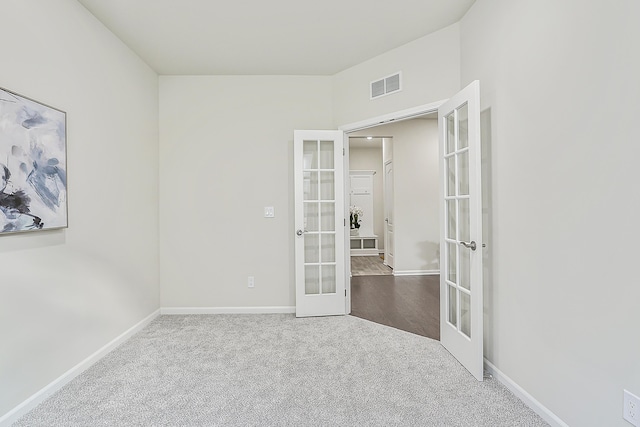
pixel 386 86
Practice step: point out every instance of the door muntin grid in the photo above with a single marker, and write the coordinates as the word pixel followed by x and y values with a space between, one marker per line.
pixel 457 221
pixel 319 214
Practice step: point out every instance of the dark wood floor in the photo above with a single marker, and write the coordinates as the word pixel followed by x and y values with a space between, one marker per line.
pixel 409 303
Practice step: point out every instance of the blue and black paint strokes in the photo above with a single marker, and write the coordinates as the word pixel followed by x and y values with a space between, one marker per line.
pixel 33 175
pixel 33 120
pixel 47 178
pixel 15 207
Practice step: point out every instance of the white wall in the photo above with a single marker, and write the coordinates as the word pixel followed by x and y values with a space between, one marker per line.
pixel 561 96
pixel 64 294
pixel 371 159
pixel 430 69
pixel 226 152
pixel 416 193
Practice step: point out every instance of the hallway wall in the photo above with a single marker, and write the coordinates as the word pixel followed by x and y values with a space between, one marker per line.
pixel 416 193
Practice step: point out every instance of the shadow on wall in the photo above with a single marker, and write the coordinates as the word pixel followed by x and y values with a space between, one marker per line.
pixel 28 240
pixel 430 253
pixel 487 220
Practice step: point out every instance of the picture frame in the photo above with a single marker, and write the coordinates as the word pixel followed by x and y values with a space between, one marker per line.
pixel 33 165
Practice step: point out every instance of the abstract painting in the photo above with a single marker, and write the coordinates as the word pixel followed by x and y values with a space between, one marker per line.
pixel 33 165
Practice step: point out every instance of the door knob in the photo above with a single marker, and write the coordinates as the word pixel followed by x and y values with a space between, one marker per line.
pixel 299 232
pixel 471 245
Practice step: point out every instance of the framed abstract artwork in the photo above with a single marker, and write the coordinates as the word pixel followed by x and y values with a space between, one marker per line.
pixel 33 165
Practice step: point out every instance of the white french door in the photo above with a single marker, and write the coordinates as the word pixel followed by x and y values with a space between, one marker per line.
pixel 319 223
pixel 461 316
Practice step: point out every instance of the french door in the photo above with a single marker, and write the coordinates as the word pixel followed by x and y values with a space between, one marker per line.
pixel 319 223
pixel 461 317
pixel 321 233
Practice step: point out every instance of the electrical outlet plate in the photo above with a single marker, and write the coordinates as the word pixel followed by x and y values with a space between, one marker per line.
pixel 251 282
pixel 632 408
pixel 269 212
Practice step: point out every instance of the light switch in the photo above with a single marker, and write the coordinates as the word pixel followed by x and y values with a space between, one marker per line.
pixel 269 212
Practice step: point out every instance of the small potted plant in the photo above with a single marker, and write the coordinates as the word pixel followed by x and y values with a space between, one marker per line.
pixel 355 215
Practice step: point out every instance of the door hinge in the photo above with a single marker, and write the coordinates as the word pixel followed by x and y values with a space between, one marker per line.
pixel 344 222
pixel 345 293
pixel 343 151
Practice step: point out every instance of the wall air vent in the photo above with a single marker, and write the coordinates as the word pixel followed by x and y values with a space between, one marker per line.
pixel 386 85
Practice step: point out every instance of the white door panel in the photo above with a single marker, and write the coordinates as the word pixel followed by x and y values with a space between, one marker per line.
pixel 461 316
pixel 319 223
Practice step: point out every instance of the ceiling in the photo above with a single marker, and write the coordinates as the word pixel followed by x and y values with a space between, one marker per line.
pixel 277 37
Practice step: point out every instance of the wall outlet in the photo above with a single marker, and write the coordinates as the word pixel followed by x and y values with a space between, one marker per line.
pixel 251 282
pixel 631 408
pixel 269 212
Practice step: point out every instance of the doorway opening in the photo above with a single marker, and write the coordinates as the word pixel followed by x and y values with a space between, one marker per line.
pixel 394 184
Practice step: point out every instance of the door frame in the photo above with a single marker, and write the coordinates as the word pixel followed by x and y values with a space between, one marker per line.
pixel 387 205
pixel 398 116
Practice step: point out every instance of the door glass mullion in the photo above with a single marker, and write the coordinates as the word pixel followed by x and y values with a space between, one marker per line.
pixel 328 215
pixel 320 226
pixel 456 136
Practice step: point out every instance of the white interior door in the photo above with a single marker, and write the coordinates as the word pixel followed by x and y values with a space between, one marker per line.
pixel 319 223
pixel 461 328
pixel 388 215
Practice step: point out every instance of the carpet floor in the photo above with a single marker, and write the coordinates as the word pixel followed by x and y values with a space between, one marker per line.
pixel 276 370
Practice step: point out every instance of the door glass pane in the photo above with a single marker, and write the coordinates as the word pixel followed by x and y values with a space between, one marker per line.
pixel 464 220
pixel 328 216
pixel 463 127
pixel 311 279
pixel 355 244
pixel 327 187
pixel 463 173
pixel 451 176
pixel 311 220
pixel 311 248
pixel 451 139
pixel 310 187
pixel 465 314
pixel 328 248
pixel 310 155
pixel 328 279
pixel 451 219
pixel 326 155
pixel 453 306
pixel 452 253
pixel 465 268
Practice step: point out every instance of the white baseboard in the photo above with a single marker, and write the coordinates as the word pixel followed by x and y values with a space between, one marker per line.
pixel 521 393
pixel 364 252
pixel 229 310
pixel 416 272
pixel 33 401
